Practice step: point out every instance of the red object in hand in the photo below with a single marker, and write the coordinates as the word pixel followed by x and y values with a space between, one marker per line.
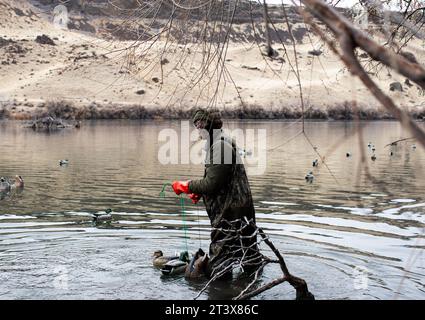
pixel 180 187
pixel 195 197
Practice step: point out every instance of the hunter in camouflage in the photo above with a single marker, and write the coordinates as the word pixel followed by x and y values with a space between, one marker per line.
pixel 227 197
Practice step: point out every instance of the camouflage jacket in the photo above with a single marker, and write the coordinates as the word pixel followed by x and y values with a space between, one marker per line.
pixel 226 194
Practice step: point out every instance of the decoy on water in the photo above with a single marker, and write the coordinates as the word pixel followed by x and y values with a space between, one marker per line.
pixel 309 177
pixel 348 154
pixel 19 182
pixel 391 153
pixel 4 185
pixel 63 162
pixel 159 260
pixel 176 266
pixel 315 163
pixel 414 146
pixel 105 216
pixel 373 157
pixel 198 265
pixel 373 149
pixel 369 145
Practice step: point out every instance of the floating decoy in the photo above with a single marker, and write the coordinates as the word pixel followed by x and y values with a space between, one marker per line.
pixel 4 185
pixel 176 266
pixel 373 149
pixel 19 182
pixel 63 162
pixel 414 146
pixel 369 145
pixel 315 163
pixel 348 154
pixel 309 177
pixel 391 153
pixel 159 260
pixel 373 157
pixel 198 265
pixel 102 216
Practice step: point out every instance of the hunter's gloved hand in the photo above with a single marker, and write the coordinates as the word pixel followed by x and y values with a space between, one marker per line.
pixel 195 197
pixel 180 187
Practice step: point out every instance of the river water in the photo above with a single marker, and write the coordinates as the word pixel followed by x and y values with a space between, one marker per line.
pixel 351 234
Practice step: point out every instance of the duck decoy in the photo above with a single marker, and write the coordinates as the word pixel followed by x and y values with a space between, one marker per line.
pixel 391 153
pixel 316 163
pixel 159 260
pixel 19 182
pixel 105 216
pixel 309 177
pixel 414 146
pixel 373 157
pixel 348 154
pixel 4 185
pixel 197 266
pixel 63 162
pixel 373 149
pixel 176 266
pixel 369 145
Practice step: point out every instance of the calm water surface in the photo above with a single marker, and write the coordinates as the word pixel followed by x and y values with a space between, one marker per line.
pixel 351 234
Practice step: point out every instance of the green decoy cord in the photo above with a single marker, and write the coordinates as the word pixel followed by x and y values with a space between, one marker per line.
pixel 182 209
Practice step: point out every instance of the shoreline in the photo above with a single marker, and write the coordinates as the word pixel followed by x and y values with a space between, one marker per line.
pixel 94 111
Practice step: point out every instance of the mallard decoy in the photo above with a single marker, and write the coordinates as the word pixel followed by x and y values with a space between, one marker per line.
pixel 4 185
pixel 102 216
pixel 373 157
pixel 176 266
pixel 197 266
pixel 63 162
pixel 19 182
pixel 316 163
pixel 309 177
pixel 159 260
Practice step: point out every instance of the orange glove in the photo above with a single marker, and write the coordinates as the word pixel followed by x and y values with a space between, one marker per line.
pixel 180 187
pixel 195 197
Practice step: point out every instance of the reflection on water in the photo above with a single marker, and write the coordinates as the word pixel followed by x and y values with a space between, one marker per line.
pixel 345 221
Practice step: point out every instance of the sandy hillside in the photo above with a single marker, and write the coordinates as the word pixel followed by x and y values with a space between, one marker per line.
pixel 85 69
